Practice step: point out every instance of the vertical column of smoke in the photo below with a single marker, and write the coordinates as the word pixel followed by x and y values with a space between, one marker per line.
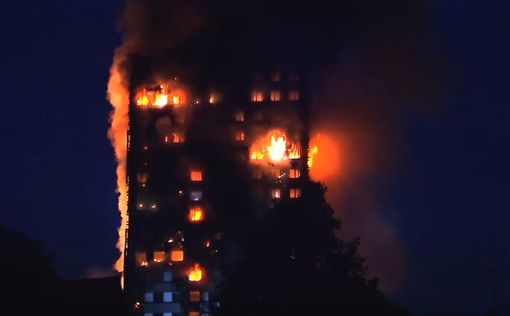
pixel 118 95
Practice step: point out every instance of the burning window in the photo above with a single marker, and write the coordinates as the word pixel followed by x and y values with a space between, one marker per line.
pixel 275 95
pixel 196 214
pixel 196 176
pixel 276 194
pixel 168 297
pixel 240 136
pixel 275 76
pixel 177 137
pixel 294 95
pixel 295 173
pixel 195 196
pixel 193 314
pixel 196 273
pixel 177 255
pixel 214 98
pixel 295 193
pixel 149 297
pixel 141 259
pixel 176 100
pixel 194 296
pixel 239 116
pixel 257 96
pixel 159 256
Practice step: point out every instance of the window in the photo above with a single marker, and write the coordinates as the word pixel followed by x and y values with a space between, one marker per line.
pixel 176 100
pixel 257 174
pixel 176 255
pixel 193 314
pixel 196 176
pixel 213 98
pixel 196 214
pixel 167 297
pixel 149 297
pixel 194 296
pixel 167 275
pixel 239 116
pixel 142 179
pixel 294 95
pixel 167 314
pixel 275 95
pixel 177 137
pixel 148 314
pixel 159 256
pixel 257 96
pixel 195 196
pixel 205 296
pixel 276 194
pixel 295 173
pixel 295 193
pixel 240 136
pixel 196 273
pixel 141 259
pixel 275 76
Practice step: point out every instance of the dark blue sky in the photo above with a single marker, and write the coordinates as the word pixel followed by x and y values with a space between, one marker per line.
pixel 454 186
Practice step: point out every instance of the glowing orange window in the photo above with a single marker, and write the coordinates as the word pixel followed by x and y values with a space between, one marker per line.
pixel 194 296
pixel 295 193
pixel 141 259
pixel 177 255
pixel 294 95
pixel 275 95
pixel 193 314
pixel 177 138
pixel 240 136
pixel 276 194
pixel 176 100
pixel 196 273
pixel 213 98
pixel 196 176
pixel 257 96
pixel 239 117
pixel 159 256
pixel 295 173
pixel 196 214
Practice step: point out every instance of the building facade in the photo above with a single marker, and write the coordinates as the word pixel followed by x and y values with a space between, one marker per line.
pixel 204 161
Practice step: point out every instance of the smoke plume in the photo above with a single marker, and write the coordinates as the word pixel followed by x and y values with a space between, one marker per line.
pixel 367 60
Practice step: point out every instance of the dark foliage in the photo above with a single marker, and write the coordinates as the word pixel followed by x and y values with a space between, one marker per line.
pixel 294 265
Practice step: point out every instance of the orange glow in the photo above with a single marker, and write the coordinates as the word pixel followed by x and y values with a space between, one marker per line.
pixel 177 138
pixel 159 256
pixel 196 214
pixel 274 147
pixel 257 96
pixel 177 255
pixel 118 95
pixel 240 136
pixel 196 176
pixel 195 274
pixel 276 194
pixel 141 259
pixel 325 157
pixel 295 193
pixel 294 173
pixel 275 95
pixel 160 96
pixel 239 116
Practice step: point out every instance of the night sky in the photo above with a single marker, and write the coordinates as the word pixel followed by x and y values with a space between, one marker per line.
pixel 451 190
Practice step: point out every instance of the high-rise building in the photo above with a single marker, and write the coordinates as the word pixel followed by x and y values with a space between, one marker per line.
pixel 205 160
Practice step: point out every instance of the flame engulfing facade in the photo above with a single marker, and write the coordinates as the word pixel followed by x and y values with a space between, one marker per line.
pixel 203 160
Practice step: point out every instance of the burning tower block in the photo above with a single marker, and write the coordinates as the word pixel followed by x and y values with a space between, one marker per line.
pixel 203 162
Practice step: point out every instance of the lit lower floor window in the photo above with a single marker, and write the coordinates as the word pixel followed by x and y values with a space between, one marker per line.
pixel 295 193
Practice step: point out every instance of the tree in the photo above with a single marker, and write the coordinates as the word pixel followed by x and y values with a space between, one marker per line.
pixel 294 265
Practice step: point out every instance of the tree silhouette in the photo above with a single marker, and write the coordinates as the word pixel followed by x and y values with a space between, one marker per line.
pixel 26 272
pixel 294 265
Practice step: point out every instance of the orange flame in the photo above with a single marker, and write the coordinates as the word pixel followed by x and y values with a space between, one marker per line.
pixel 160 96
pixel 196 214
pixel 195 274
pixel 118 95
pixel 279 148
